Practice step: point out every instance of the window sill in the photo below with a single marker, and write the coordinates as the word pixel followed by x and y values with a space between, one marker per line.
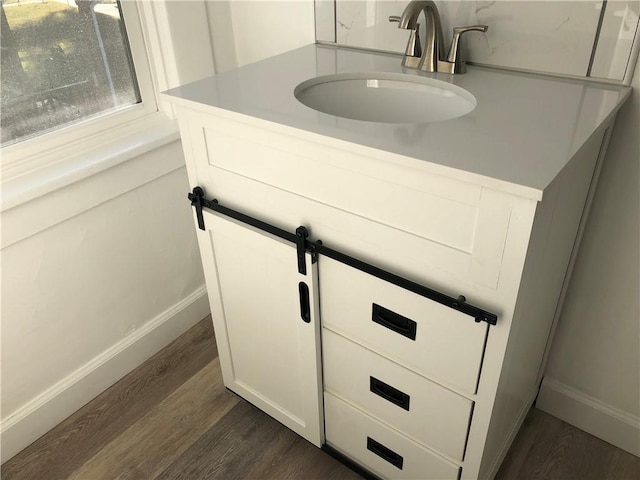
pixel 92 155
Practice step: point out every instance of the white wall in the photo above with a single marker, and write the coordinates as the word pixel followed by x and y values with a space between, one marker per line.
pixel 89 296
pixel 247 31
pixel 100 267
pixel 592 379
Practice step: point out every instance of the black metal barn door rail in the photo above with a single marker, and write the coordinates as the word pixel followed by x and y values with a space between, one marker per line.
pixel 303 244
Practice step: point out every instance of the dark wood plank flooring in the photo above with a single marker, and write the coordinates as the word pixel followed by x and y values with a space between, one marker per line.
pixel 172 418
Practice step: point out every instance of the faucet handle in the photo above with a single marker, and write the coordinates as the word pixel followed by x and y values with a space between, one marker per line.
pixel 413 52
pixel 454 62
pixel 454 51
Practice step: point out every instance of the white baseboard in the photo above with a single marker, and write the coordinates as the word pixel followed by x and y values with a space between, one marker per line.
pixel 44 412
pixel 590 414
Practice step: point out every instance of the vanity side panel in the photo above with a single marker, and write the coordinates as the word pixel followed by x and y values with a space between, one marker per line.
pixel 515 251
pixel 556 224
pixel 186 134
pixel 193 147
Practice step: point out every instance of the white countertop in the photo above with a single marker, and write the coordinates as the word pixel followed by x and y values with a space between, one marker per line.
pixel 524 130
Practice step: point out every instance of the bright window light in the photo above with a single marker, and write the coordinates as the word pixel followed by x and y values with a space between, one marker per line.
pixel 63 61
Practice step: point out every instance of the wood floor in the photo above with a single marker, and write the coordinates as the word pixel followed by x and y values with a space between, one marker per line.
pixel 172 418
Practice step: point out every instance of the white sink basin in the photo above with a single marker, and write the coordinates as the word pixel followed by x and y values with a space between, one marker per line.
pixel 385 97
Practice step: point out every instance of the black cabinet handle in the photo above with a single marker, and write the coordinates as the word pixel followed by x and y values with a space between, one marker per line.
pixel 394 321
pixel 389 393
pixel 305 309
pixel 385 453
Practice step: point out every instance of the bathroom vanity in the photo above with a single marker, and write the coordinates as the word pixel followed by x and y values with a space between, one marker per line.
pixel 387 290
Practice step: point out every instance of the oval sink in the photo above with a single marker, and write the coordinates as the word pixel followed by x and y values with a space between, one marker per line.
pixel 385 97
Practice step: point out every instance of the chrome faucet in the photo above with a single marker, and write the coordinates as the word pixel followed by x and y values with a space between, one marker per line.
pixel 415 56
pixel 430 59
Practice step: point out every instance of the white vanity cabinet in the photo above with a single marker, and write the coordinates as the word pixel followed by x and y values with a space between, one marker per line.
pixel 386 372
pixel 470 384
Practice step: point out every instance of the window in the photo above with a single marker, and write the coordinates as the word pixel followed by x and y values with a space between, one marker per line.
pixel 63 62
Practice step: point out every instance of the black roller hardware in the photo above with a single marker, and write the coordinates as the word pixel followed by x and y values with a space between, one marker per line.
pixel 317 248
pixel 197 198
pixel 301 245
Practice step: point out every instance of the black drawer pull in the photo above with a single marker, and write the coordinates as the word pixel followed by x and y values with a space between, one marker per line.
pixel 389 393
pixel 394 321
pixel 305 309
pixel 383 452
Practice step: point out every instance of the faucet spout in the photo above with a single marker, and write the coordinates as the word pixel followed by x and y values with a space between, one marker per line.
pixel 432 50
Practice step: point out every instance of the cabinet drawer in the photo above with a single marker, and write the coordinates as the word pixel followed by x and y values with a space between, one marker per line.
pixel 420 334
pixel 399 397
pixel 378 448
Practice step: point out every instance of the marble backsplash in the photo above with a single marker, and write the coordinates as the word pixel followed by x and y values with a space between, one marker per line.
pixel 546 36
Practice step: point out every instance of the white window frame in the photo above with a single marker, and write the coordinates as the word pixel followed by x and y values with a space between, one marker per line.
pixel 55 159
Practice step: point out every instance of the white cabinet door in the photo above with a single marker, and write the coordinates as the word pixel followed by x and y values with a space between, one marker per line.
pixel 269 354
